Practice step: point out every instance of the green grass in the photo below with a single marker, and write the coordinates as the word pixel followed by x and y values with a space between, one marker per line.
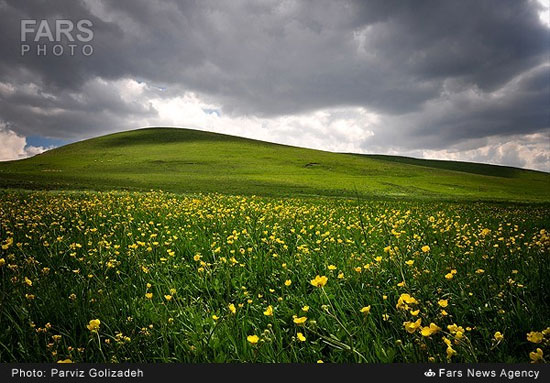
pixel 70 257
pixel 188 161
pixel 237 218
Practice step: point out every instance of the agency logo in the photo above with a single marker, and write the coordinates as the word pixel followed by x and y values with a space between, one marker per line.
pixel 429 373
pixel 56 37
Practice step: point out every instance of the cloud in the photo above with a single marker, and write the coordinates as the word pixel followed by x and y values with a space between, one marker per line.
pixel 529 151
pixel 98 107
pixel 14 146
pixel 406 77
pixel 335 129
pixel 465 114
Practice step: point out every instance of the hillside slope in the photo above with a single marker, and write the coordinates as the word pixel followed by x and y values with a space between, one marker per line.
pixel 189 161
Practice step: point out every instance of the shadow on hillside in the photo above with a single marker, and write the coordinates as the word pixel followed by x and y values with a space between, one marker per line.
pixel 465 167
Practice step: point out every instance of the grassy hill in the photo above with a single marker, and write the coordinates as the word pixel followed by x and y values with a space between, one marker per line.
pixel 182 160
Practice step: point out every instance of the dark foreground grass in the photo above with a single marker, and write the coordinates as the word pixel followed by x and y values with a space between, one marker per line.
pixel 93 277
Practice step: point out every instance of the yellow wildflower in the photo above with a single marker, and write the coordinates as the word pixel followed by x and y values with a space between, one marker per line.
pixel 536 356
pixel 450 352
pixel 319 281
pixel 299 320
pixel 412 326
pixel 535 337
pixel 430 330
pixel 268 311
pixel 365 310
pixel 405 300
pixel 93 325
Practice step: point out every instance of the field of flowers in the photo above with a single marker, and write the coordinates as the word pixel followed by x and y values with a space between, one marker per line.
pixel 158 277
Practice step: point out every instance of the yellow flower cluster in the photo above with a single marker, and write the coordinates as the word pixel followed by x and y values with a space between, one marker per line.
pixel 254 278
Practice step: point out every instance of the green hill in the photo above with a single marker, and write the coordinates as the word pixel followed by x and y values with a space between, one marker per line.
pixel 189 161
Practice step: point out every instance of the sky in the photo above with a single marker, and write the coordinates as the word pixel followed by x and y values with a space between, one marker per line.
pixel 456 80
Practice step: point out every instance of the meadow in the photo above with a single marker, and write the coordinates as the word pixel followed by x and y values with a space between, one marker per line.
pixel 191 161
pixel 161 277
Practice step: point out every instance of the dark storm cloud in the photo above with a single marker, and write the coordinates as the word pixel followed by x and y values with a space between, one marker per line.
pixel 438 72
pixel 519 106
pixel 96 108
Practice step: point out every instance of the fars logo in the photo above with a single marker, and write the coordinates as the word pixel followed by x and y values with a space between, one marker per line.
pixel 58 37
pixel 429 373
